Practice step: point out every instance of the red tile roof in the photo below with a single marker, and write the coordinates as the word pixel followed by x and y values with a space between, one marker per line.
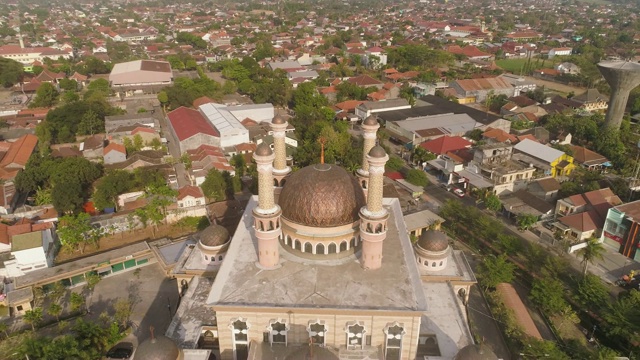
pixel 115 147
pixel 188 122
pixel 499 135
pixel 444 144
pixel 20 151
pixel 189 190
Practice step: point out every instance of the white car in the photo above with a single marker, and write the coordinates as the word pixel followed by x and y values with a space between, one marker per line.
pixel 458 192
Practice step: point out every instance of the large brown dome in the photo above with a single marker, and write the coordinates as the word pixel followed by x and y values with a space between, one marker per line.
pixel 321 195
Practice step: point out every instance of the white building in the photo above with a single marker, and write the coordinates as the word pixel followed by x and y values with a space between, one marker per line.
pixel 368 108
pixel 28 56
pixel 32 251
pixel 232 132
pixel 563 51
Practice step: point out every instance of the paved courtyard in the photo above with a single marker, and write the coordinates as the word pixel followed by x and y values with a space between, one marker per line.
pixel 155 299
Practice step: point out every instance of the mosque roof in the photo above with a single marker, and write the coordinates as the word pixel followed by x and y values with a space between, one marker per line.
pixel 321 195
pixel 332 284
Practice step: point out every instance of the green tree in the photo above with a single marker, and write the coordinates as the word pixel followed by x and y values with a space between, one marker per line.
pixel 214 186
pixel 493 203
pixel 55 310
pixel 11 72
pixel 90 124
pixel 548 293
pixel 590 253
pixel 495 270
pixel 592 293
pixel 77 301
pixel 123 309
pixel 33 317
pixel 394 164
pixel 4 328
pixel 525 221
pixel 73 231
pixel 67 197
pixel 163 98
pixel 417 177
pixel 239 164
pixel 68 84
pixel 46 96
pixel 69 97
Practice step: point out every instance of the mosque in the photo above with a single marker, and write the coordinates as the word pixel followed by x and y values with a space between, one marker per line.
pixel 322 266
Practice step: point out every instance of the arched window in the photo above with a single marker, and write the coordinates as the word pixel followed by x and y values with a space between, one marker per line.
pixel 308 248
pixel 355 334
pixel 317 331
pixel 297 245
pixel 331 248
pixel 275 182
pixel 364 184
pixel 352 242
pixel 320 249
pixel 343 246
pixel 433 264
pixel 378 228
pixel 393 343
pixel 278 331
pixel 440 263
pixel 220 258
pixel 206 257
pixel 240 331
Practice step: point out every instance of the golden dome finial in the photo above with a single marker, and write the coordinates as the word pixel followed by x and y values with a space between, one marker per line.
pixel 322 140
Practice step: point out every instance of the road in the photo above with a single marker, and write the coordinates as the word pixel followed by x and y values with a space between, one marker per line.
pixel 173 146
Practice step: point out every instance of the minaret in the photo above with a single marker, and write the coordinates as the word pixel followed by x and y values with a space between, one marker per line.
pixel 21 40
pixel 267 214
pixel 280 168
pixel 370 128
pixel 373 217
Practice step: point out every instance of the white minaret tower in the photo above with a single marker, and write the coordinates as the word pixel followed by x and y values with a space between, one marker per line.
pixel 373 217
pixel 280 169
pixel 267 214
pixel 370 128
pixel 21 40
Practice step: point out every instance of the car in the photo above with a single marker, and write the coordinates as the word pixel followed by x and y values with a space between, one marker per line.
pixel 121 351
pixel 458 192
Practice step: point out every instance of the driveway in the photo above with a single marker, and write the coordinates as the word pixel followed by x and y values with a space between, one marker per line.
pixel 174 148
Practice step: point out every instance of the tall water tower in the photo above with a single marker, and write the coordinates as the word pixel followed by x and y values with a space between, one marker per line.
pixel 622 76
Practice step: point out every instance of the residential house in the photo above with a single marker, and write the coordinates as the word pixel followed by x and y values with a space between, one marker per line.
pixel 562 51
pixel 366 81
pixel 520 84
pixel 499 135
pixel 14 159
pixel 421 221
pixel 546 159
pixel 568 68
pixel 591 100
pixel 589 159
pixel 205 158
pixel 92 147
pixel 189 196
pixel 582 216
pixel 479 89
pixel 546 189
pixel 621 229
pixel 367 108
pixel 523 202
pixel 445 144
pixel 114 153
pixel 33 250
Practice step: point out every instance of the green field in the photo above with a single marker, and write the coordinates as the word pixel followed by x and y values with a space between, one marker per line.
pixel 515 65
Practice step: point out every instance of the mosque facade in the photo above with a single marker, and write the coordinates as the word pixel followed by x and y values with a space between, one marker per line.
pixel 321 266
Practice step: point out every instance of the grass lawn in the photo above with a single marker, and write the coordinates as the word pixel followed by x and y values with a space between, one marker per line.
pixel 516 65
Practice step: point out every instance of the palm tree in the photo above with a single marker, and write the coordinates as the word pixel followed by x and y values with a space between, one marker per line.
pixel 594 250
pixel 55 310
pixel 33 317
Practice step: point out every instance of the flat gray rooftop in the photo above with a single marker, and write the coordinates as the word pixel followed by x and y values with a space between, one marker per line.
pixel 302 283
pixel 192 315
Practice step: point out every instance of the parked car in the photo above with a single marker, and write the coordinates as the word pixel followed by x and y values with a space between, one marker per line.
pixel 458 192
pixel 121 351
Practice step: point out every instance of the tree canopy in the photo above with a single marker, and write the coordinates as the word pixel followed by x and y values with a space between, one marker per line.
pixel 11 72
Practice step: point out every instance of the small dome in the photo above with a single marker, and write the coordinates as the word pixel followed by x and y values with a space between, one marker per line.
pixel 371 120
pixel 475 352
pixel 158 348
pixel 263 150
pixel 278 120
pixel 214 235
pixel 377 152
pixel 432 240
